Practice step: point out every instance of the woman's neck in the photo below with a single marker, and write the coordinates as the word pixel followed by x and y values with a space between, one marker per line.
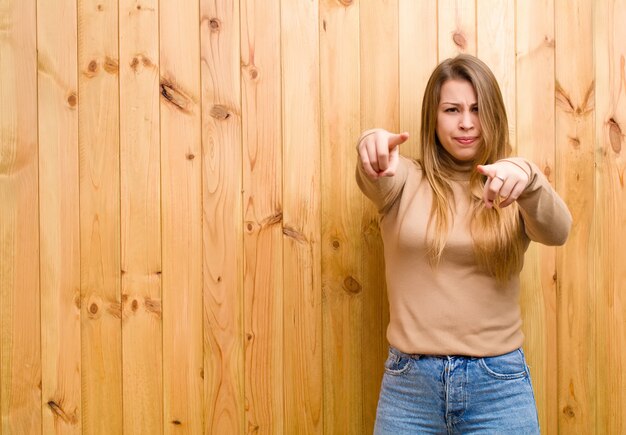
pixel 455 169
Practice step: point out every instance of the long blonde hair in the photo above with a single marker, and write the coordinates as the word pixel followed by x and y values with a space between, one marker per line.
pixel 498 247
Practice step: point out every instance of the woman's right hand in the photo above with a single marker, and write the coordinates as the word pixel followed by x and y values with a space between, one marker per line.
pixel 379 152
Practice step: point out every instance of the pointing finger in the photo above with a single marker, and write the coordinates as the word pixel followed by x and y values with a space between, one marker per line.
pixel 397 139
pixel 488 170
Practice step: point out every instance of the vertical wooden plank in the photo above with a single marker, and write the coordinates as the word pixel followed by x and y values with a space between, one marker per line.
pixel 20 355
pixel 181 207
pixel 98 137
pixel 610 222
pixel 536 141
pixel 222 218
pixel 418 58
pixel 263 215
pixel 342 211
pixel 59 217
pixel 457 27
pixel 379 108
pixel 495 45
pixel 576 285
pixel 301 217
pixel 140 217
pixel 535 39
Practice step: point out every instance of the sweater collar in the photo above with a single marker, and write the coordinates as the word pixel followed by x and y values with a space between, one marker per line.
pixel 454 169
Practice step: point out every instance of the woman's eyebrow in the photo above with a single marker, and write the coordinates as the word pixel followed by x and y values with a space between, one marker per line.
pixel 457 104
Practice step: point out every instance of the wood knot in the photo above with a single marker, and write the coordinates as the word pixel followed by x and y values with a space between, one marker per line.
pixel 138 7
pixel 175 96
pixel 351 285
pixel 219 279
pixel 134 305
pixel 140 60
pixel 569 411
pixel 100 8
pixel 190 156
pixel 153 306
pixel 249 336
pixel 294 234
pixel 111 65
pixel 60 413
pixel 176 422
pixel 253 72
pixel 615 135
pixel 92 68
pixel 219 112
pixel 93 308
pixel 459 40
pixel 214 24
pixel 547 171
pixel 250 227
pixel 335 244
pixel 574 142
pixel 72 99
pixel 115 309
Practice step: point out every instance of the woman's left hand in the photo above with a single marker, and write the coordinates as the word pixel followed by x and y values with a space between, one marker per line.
pixel 504 179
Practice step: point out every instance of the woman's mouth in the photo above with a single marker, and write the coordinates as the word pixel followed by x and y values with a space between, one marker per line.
pixel 465 140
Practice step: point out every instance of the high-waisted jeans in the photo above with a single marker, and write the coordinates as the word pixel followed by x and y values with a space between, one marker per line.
pixel 426 394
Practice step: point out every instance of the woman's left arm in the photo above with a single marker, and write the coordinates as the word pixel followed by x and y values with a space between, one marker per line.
pixel 547 219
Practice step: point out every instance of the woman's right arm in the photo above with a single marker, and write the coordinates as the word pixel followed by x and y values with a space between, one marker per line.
pixel 381 171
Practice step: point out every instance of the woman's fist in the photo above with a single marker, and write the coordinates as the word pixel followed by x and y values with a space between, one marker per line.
pixel 379 152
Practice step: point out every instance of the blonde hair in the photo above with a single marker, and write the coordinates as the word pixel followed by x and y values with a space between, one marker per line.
pixel 498 247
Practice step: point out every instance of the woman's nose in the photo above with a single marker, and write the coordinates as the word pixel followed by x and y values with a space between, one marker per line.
pixel 466 121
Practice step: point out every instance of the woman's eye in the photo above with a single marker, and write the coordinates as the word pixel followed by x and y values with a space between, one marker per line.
pixel 475 109
pixel 450 109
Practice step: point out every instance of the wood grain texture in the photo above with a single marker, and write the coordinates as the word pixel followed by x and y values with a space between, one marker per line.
pixel 222 217
pixel 181 208
pixel 379 108
pixel 59 218
pixel 301 217
pixel 610 215
pixel 189 217
pixel 342 210
pixel 20 354
pixel 98 137
pixel 140 217
pixel 495 45
pixel 263 216
pixel 536 141
pixel 575 110
pixel 418 58
pixel 456 27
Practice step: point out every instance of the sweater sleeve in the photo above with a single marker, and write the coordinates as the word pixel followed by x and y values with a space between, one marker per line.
pixel 546 218
pixel 384 191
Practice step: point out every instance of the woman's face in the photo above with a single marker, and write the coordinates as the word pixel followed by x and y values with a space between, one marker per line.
pixel 458 126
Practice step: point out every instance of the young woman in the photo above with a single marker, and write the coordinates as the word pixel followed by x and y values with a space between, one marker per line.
pixel 455 225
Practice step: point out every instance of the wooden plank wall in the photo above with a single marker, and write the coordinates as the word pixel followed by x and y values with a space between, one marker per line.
pixel 183 248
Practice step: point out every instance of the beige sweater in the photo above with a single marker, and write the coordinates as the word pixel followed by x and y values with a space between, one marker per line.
pixel 455 309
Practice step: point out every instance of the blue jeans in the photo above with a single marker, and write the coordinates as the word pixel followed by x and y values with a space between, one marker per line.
pixel 428 394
